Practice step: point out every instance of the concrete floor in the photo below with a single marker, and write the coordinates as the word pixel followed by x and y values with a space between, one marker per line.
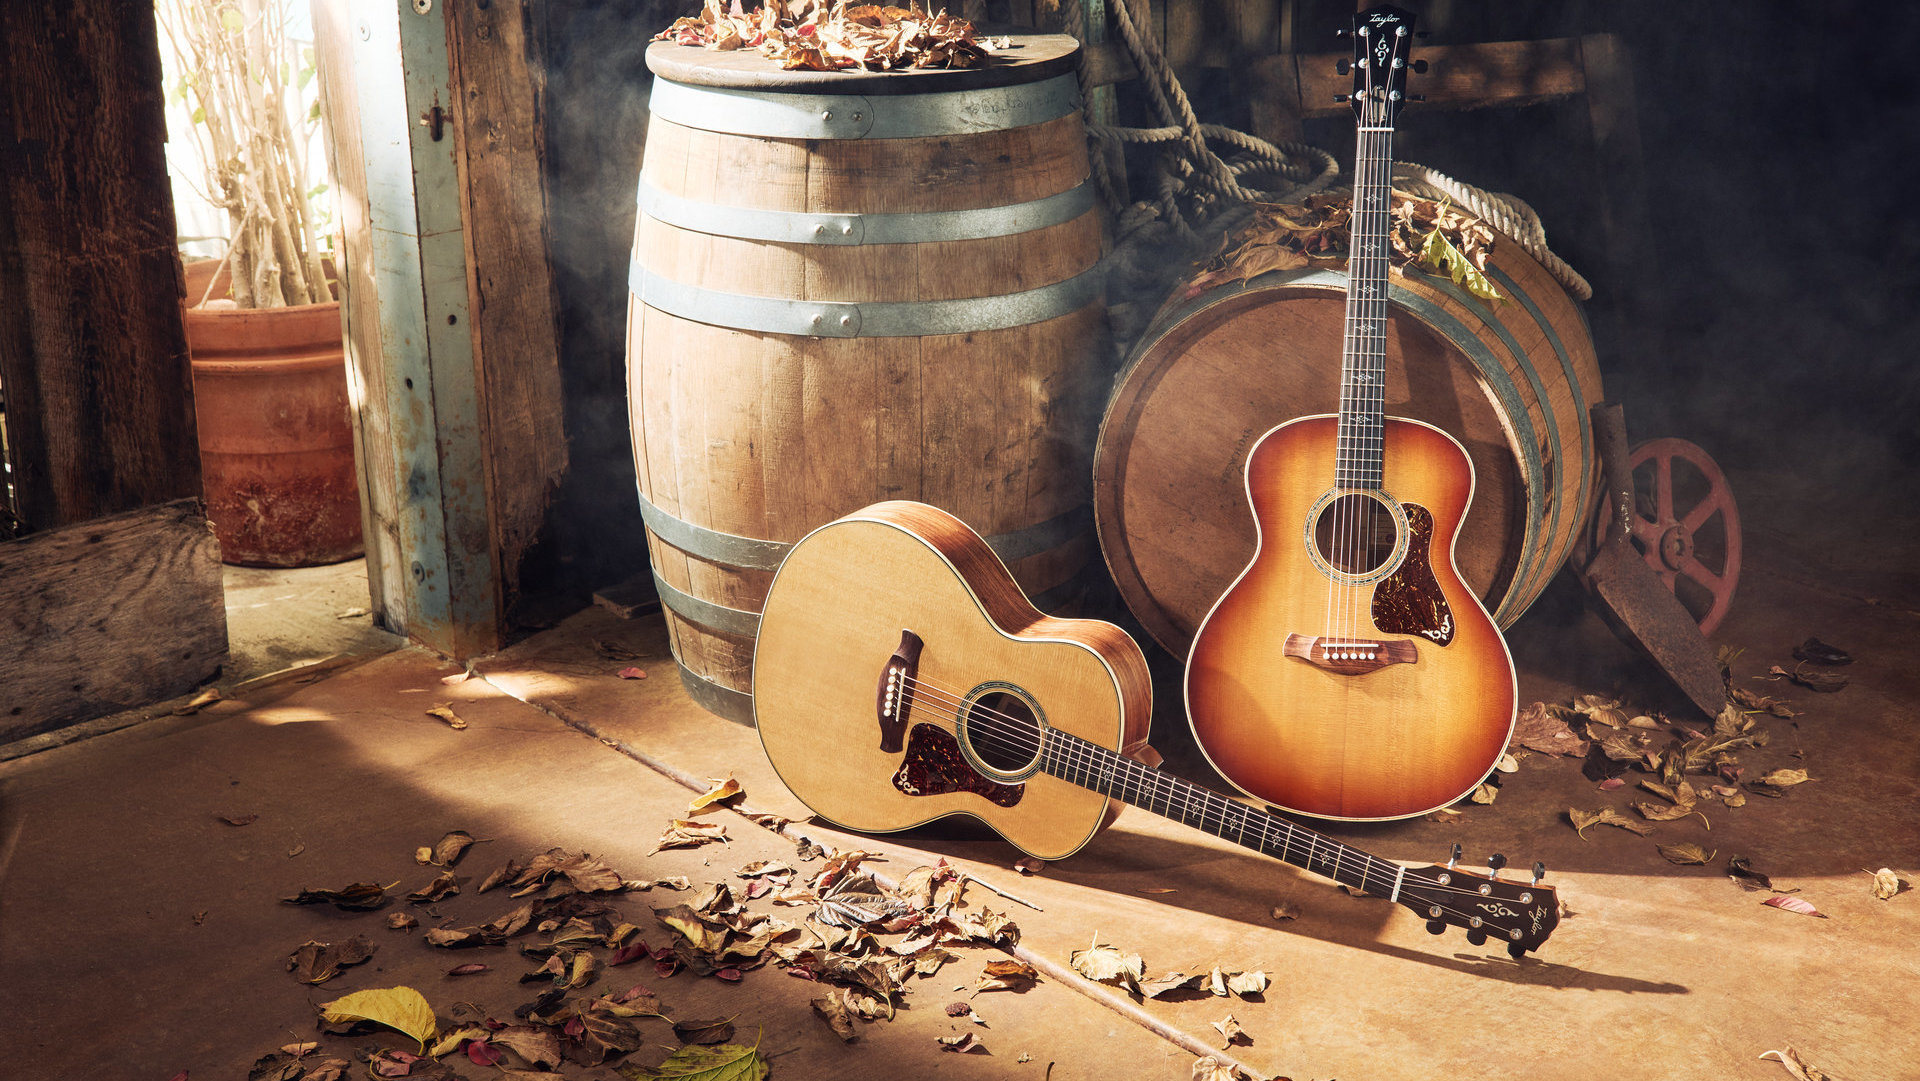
pixel 142 935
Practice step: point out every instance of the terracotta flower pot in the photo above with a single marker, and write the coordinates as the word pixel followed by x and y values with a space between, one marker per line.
pixel 276 443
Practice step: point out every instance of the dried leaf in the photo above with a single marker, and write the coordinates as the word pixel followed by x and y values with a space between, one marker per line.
pixel 399 1008
pixel 725 1062
pixel 446 851
pixel 444 711
pixel 962 1044
pixel 538 1046
pixel 719 793
pixel 683 833
pixel 1161 986
pixel 240 819
pixel 443 886
pixel 1208 1068
pixel 717 1030
pixel 1507 764
pixel 1245 984
pixel 1484 793
pixel 401 921
pixel 1006 976
pixel 1105 964
pixel 1031 866
pixel 1285 911
pixel 1783 778
pixel 318 962
pixel 632 673
pixel 1654 812
pixel 1605 816
pixel 1231 1032
pixel 1799 1069
pixel 1740 869
pixel 1686 854
pixel 1794 904
pixel 1538 729
pixel 1886 884
pixel 834 1011
pixel 199 702
pixel 359 897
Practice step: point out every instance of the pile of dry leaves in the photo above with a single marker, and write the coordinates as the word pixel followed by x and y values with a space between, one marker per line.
pixel 815 35
pixel 864 942
pixel 1427 232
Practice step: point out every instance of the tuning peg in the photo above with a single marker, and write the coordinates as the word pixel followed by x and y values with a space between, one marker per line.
pixel 1477 937
pixel 1436 927
pixel 1338 98
pixel 1416 97
pixel 1539 872
pixel 1342 67
pixel 1455 858
pixel 1516 950
pixel 1494 863
pixel 1343 33
pixel 1420 66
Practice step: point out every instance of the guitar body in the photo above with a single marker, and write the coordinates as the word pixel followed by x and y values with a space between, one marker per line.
pixel 1364 682
pixel 991 672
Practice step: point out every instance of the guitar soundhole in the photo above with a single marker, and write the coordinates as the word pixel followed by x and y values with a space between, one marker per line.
pixel 1003 732
pixel 1355 534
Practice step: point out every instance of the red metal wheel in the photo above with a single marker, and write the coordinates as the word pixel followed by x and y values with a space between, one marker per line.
pixel 1685 525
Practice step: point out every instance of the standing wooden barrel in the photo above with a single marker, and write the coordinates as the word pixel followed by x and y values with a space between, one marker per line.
pixel 1510 379
pixel 850 287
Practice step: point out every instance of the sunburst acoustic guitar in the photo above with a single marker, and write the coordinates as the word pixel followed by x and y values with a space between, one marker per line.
pixel 1349 672
pixel 901 676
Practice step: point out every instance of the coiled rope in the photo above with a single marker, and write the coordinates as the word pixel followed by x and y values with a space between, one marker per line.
pixel 1197 188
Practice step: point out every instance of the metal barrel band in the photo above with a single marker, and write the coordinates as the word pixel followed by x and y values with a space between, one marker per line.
pixel 750 553
pixel 715 617
pixel 924 227
pixel 722 701
pixel 1573 386
pixel 865 319
pixel 777 115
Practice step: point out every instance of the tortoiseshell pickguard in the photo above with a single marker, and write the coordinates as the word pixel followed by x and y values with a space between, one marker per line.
pixel 934 766
pixel 1409 600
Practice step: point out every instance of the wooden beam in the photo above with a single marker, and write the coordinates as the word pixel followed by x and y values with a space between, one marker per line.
pixel 93 354
pixel 1290 87
pixel 107 615
pixel 498 125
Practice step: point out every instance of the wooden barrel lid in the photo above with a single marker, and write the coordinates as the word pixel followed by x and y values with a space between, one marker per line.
pixel 1031 58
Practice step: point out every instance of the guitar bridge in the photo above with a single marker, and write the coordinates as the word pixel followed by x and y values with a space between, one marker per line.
pixel 893 698
pixel 1350 656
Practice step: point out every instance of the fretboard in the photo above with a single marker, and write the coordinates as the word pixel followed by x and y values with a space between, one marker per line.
pixel 1110 773
pixel 1363 360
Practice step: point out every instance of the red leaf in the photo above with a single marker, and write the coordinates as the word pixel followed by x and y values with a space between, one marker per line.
pixel 630 953
pixel 466 970
pixel 483 1053
pixel 731 975
pixel 1794 904
pixel 632 673
pixel 666 966
pixel 575 1026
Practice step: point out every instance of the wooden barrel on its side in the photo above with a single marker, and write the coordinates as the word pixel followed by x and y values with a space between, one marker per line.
pixel 850 287
pixel 1511 379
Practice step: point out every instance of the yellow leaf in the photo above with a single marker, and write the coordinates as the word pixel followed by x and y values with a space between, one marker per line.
pixel 444 711
pixel 1781 778
pixel 399 1008
pixel 1108 965
pixel 1686 853
pixel 723 790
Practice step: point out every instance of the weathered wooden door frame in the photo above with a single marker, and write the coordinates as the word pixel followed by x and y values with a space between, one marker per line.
pixel 454 381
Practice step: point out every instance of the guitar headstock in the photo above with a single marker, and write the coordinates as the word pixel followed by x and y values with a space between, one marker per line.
pixel 1382 40
pixel 1521 914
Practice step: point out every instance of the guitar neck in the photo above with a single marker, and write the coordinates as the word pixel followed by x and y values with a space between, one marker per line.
pixel 1363 363
pixel 1110 773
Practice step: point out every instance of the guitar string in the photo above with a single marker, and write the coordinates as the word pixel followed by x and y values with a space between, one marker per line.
pixel 1341 854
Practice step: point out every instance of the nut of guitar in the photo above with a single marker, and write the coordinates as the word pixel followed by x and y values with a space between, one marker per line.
pixel 1350 656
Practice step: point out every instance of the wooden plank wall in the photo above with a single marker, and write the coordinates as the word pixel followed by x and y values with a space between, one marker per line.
pixel 107 615
pixel 93 354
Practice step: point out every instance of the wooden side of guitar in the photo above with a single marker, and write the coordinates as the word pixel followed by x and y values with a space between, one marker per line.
pixel 833 617
pixel 1391 743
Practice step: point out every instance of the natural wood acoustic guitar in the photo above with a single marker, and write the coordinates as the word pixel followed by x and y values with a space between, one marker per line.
pixel 1349 672
pixel 901 676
